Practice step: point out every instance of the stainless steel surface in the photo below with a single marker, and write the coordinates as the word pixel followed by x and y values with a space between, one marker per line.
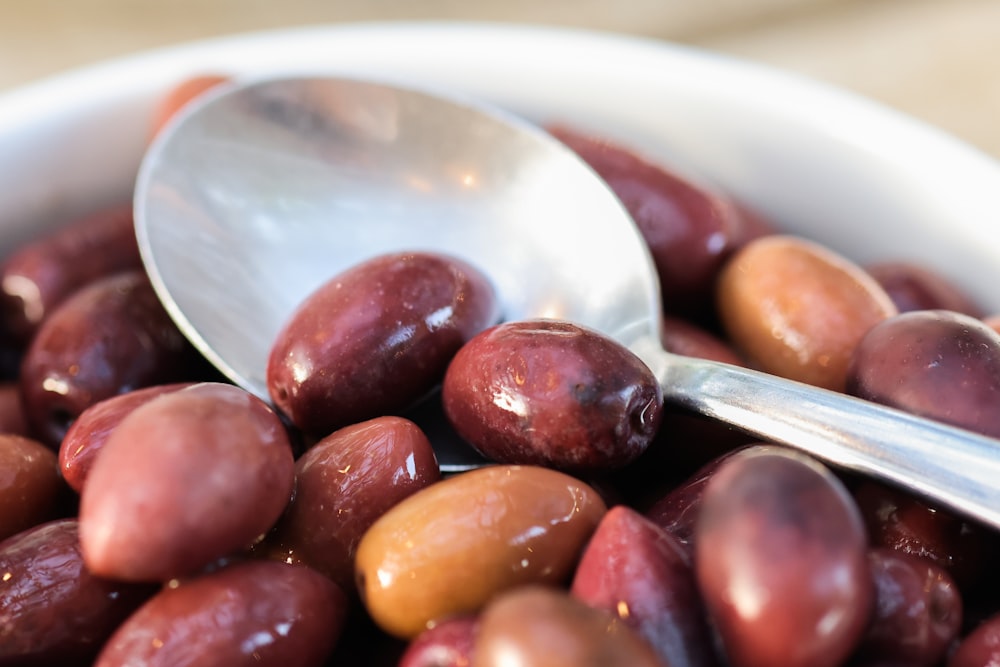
pixel 261 192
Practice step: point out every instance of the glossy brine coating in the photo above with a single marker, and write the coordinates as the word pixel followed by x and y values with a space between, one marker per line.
pixel 781 561
pixel 916 360
pixel 797 309
pixel 108 338
pixel 53 610
pixel 343 484
pixel 448 549
pixel 553 393
pixel 253 614
pixel 376 338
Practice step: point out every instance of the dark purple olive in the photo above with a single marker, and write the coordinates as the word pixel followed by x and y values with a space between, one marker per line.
pixel 690 228
pixel 552 393
pixel 53 611
pixel 108 338
pixel 781 561
pixel 898 520
pixel 639 572
pixel 250 613
pixel 12 419
pixel 88 433
pixel 934 363
pixel 448 643
pixel 343 484
pixel 686 338
pixel 918 611
pixel 376 338
pixel 677 510
pixel 30 488
pixel 981 647
pixel 40 275
pixel 912 287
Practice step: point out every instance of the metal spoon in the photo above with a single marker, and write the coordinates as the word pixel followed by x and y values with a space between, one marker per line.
pixel 261 192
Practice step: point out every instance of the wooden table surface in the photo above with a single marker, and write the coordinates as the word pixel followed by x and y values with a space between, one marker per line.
pixel 934 59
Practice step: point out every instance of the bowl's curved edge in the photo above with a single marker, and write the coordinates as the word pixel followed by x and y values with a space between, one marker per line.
pixel 869 181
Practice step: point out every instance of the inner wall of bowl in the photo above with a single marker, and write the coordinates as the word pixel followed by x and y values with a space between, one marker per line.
pixel 864 180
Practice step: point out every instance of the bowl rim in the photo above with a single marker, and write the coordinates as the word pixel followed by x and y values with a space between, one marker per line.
pixel 605 82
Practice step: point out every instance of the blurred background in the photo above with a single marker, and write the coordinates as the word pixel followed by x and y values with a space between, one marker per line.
pixel 934 59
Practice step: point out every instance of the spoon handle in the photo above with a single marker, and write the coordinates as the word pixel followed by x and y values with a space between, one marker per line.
pixel 951 466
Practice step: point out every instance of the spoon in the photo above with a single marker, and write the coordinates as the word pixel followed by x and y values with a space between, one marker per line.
pixel 262 191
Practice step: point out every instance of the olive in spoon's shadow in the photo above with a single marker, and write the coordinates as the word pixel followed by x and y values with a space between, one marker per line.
pixel 260 192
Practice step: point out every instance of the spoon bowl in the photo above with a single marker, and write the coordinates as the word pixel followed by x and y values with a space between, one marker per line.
pixel 262 191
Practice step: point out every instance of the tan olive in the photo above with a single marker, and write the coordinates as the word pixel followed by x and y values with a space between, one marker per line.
pixel 451 547
pixel 541 627
pixel 797 309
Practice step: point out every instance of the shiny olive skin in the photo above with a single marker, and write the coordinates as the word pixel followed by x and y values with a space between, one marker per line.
pixel 552 393
pixel 192 476
pixel 108 338
pixel 797 309
pixel 934 363
pixel 535 626
pixel 781 561
pixel 913 287
pixel 634 569
pixel 981 647
pixel 451 547
pixel 450 643
pixel 43 273
pixel 255 613
pixel 53 611
pixel 343 484
pixel 690 229
pixel 376 338
pixel 30 488
pixel 918 611
pixel 676 511
pixel 88 432
pixel 898 520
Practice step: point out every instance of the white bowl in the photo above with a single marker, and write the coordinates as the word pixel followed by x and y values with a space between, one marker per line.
pixel 818 161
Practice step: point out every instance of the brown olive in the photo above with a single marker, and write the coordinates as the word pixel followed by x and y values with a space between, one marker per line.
pixel 797 309
pixel 535 626
pixel 449 548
